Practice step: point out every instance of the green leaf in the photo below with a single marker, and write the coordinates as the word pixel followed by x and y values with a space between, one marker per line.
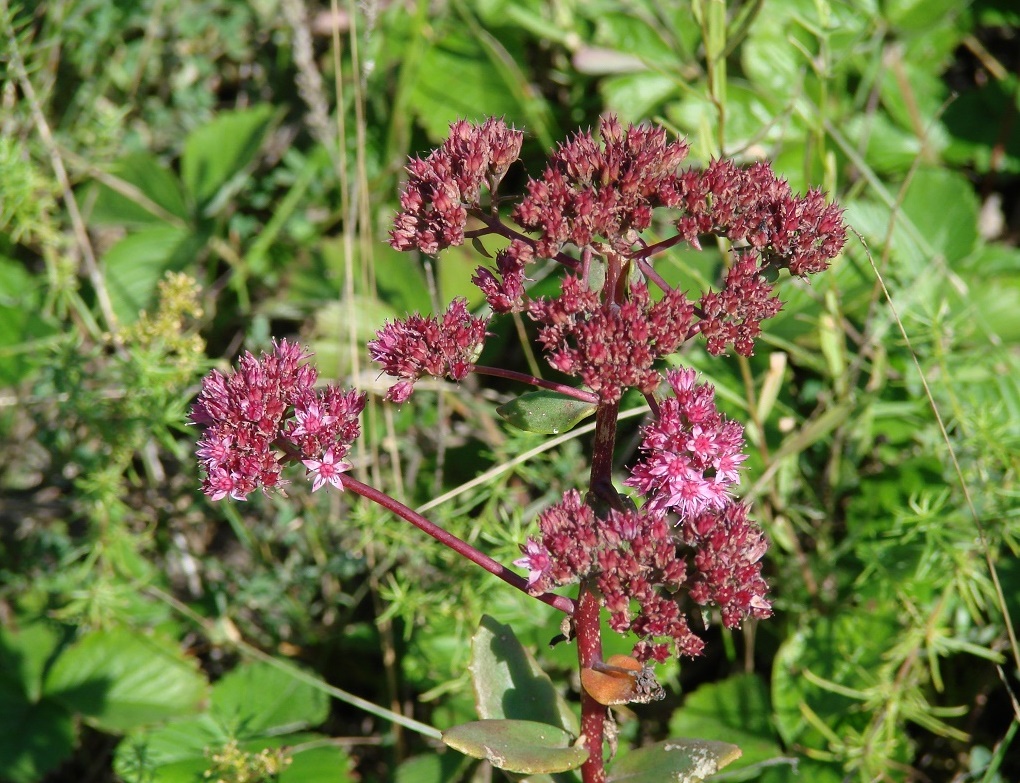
pixel 508 682
pixel 517 745
pixel 433 768
pixel 674 760
pixel 942 206
pixel 217 154
pixel 545 412
pixel 34 737
pixel 147 193
pixel 135 265
pixel 25 655
pixel 174 753
pixel 735 710
pixel 315 760
pixel 456 80
pixel 259 699
pixel 119 679
pixel 837 652
pixel 180 753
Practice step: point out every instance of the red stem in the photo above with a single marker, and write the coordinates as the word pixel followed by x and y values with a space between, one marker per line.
pixel 459 546
pixel 559 388
pixel 593 714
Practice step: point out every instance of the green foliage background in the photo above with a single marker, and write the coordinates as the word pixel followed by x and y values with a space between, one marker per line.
pixel 257 147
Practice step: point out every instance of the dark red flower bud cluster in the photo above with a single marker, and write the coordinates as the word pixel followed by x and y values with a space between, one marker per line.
pixel 505 294
pixel 755 207
pixel 733 315
pixel 444 185
pixel 422 345
pixel 632 559
pixel 611 347
pixel 727 563
pixel 267 413
pixel 590 190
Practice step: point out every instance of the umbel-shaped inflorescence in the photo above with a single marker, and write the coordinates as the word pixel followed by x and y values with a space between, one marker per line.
pixel 690 542
pixel 266 414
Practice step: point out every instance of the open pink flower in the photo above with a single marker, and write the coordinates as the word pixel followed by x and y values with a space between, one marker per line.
pixel 327 470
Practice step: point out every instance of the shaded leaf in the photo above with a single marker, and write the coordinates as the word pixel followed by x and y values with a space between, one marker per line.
pixel 221 150
pixel 517 745
pixel 150 193
pixel 674 760
pixel 120 679
pixel 258 699
pixel 545 412
pixel 508 682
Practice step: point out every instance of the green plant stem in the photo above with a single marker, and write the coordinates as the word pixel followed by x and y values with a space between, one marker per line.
pixel 458 545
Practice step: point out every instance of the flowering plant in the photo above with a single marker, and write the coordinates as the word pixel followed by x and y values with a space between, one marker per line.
pixel 684 541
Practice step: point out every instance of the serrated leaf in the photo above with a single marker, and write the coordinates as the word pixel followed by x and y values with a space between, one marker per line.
pixel 221 150
pixel 517 745
pixel 545 412
pixel 120 679
pixel 509 683
pixel 675 761
pixel 259 699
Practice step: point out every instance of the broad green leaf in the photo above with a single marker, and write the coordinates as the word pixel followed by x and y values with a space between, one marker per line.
pixel 135 265
pixel 433 768
pixel 734 710
pixel 35 737
pixel 258 699
pixel 517 745
pixel 842 652
pixel 120 679
pixel 180 752
pixel 176 751
pixel 145 192
pixel 673 760
pixel 545 412
pixel 314 759
pixel 457 81
pixel 508 682
pixel 221 151
pixel 942 206
pixel 24 656
pixel 634 96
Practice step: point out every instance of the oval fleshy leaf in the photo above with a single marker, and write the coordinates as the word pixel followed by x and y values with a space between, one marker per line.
pixel 545 412
pixel 517 745
pixel 509 683
pixel 674 761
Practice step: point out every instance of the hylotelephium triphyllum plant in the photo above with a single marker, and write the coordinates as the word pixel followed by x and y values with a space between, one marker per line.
pixel 683 541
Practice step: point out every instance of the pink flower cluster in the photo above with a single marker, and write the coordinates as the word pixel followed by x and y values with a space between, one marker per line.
pixel 691 458
pixel 611 347
pixel 607 190
pixel 422 345
pixel 727 550
pixel 441 187
pixel 630 556
pixel 690 454
pixel 267 413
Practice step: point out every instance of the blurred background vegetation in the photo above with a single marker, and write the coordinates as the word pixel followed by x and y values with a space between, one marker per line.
pixel 184 179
